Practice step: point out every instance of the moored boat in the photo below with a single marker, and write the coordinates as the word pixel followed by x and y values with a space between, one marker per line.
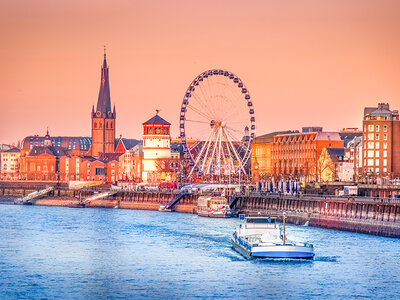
pixel 213 206
pixel 76 204
pixel 261 237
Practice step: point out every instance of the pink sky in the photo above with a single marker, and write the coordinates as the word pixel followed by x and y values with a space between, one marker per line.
pixel 304 62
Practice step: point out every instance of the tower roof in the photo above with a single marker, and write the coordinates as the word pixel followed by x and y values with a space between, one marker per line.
pixel 104 101
pixel 156 120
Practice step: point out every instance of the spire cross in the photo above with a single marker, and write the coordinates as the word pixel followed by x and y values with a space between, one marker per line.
pixel 104 51
pixel 157 111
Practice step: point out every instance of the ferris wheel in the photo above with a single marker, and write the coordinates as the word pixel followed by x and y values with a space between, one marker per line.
pixel 217 124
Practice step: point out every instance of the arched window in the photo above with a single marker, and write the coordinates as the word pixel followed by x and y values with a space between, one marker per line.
pixel 111 125
pixel 106 124
pixel 100 125
pixel 95 124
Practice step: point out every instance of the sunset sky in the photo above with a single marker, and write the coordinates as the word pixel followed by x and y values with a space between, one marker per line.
pixel 305 63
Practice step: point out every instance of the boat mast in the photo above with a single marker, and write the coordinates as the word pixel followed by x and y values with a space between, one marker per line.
pixel 284 235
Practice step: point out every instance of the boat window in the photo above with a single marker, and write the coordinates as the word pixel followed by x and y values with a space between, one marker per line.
pixel 268 220
pixel 260 220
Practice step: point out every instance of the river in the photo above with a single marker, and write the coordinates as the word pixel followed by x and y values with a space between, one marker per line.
pixel 65 253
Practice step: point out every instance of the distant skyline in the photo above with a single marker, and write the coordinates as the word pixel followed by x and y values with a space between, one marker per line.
pixel 305 63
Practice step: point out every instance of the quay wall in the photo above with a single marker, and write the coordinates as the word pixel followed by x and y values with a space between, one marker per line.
pixel 123 199
pixel 378 218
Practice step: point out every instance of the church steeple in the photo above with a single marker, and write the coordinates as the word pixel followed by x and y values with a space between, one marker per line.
pixel 103 118
pixel 104 101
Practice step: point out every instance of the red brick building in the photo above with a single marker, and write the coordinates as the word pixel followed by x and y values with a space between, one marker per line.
pixel 381 142
pixel 296 154
pixel 42 162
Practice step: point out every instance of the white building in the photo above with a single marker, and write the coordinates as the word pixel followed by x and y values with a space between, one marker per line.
pixel 10 161
pixel 156 147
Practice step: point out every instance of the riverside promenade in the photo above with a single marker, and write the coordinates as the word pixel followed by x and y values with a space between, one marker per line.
pixel 377 216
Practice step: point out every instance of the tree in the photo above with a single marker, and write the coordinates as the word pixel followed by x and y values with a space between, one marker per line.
pixel 326 169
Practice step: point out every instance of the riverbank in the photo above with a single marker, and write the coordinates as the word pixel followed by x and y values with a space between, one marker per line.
pixel 103 203
pixel 376 218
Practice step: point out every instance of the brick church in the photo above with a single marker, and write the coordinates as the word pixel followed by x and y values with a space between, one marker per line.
pixel 99 158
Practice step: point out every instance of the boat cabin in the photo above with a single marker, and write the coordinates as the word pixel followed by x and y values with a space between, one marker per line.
pixel 261 220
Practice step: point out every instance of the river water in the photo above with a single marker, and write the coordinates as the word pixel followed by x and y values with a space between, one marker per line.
pixel 65 253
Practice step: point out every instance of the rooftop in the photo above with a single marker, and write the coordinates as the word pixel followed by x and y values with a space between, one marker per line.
pixel 156 120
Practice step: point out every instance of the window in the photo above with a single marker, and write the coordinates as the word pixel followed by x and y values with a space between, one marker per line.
pixel 370 136
pixel 377 136
pixel 376 153
pixel 112 165
pixel 370 145
pixel 385 162
pixel 384 170
pixel 95 124
pixel 370 162
pixel 384 145
pixel 377 128
pixel 376 162
pixel 385 153
pixel 385 128
pixel 370 127
pixel 377 145
pixel 370 153
pixel 100 171
pixel 385 136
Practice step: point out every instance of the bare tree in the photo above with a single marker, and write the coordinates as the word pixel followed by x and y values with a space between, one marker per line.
pixel 325 164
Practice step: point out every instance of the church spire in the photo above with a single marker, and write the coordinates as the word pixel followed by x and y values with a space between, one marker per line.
pixel 104 101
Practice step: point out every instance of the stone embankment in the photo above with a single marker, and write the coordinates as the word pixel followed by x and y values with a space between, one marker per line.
pixel 123 199
pixel 370 217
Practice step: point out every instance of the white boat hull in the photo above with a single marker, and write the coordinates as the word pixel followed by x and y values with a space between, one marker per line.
pixel 212 214
pixel 272 251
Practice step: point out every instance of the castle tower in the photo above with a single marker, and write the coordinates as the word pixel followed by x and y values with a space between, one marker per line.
pixel 103 119
pixel 156 145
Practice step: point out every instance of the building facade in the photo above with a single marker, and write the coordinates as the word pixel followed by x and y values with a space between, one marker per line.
pixel 10 162
pixel 156 147
pixel 296 154
pixel 261 166
pixel 353 155
pixel 381 142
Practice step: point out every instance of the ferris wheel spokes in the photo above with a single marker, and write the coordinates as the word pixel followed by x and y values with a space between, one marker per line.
pixel 235 153
pixel 201 152
pixel 213 112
